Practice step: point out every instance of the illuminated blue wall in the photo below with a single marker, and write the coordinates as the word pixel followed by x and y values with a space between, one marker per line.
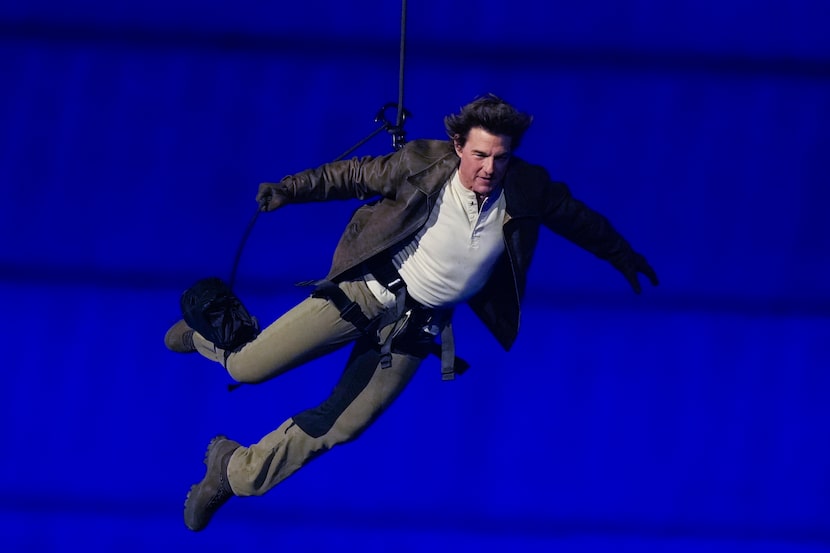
pixel 692 418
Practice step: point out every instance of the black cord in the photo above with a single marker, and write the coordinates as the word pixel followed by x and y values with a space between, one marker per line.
pixel 239 249
pixel 363 141
pixel 396 130
pixel 398 136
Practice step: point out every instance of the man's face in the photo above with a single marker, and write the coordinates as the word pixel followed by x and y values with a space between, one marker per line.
pixel 484 160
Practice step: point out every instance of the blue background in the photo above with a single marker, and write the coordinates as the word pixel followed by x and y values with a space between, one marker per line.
pixel 691 418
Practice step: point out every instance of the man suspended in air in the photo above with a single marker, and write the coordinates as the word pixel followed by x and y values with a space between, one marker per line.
pixel 447 222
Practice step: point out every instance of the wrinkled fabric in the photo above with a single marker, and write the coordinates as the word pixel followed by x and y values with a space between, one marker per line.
pixel 404 186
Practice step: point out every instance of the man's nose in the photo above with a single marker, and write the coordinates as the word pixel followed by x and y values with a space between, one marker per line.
pixel 488 166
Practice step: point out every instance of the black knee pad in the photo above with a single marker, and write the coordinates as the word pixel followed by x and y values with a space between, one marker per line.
pixel 362 364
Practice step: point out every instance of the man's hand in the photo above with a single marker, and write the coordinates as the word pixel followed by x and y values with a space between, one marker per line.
pixel 268 197
pixel 632 267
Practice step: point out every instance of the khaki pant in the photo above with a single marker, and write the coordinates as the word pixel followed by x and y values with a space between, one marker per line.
pixel 309 330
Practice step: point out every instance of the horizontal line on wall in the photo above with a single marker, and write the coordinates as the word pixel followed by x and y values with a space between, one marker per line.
pixel 260 515
pixel 651 299
pixel 307 46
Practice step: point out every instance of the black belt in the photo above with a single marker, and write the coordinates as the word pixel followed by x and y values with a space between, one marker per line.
pixel 385 272
pixel 388 276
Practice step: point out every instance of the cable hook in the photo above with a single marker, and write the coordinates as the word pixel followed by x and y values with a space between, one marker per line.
pixel 394 128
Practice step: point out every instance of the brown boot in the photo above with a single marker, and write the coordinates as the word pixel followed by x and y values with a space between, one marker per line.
pixel 205 498
pixel 179 338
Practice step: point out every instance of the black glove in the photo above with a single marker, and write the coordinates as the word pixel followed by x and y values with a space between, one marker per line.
pixel 631 266
pixel 269 197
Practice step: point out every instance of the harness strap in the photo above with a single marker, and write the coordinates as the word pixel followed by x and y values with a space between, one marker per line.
pixel 385 272
pixel 386 345
pixel 351 312
pixel 448 359
pixel 387 275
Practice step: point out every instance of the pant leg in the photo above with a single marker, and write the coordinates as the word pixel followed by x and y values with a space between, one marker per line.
pixel 364 391
pixel 309 330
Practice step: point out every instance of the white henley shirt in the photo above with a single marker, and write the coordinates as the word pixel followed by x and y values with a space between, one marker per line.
pixel 451 257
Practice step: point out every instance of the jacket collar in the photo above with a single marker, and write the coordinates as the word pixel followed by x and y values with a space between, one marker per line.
pixel 432 178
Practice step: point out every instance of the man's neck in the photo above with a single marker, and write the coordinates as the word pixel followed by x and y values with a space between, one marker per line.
pixel 480 198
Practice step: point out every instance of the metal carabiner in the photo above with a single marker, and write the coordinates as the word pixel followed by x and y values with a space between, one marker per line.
pixel 394 128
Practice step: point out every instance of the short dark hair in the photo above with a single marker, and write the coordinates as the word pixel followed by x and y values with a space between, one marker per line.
pixel 492 114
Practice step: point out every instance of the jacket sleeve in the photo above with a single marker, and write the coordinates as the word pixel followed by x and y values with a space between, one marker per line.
pixel 357 178
pixel 578 223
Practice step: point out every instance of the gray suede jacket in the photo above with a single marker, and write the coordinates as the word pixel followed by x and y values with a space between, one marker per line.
pixel 405 185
